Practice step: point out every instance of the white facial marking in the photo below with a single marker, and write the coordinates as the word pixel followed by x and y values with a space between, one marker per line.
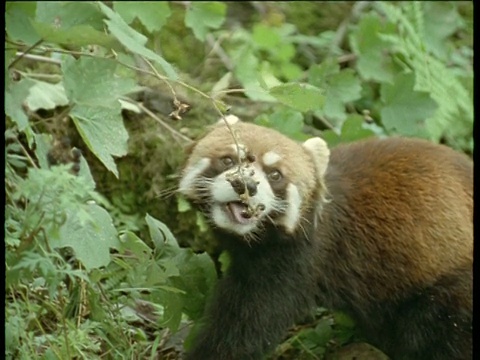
pixel 230 119
pixel 190 175
pixel 241 148
pixel 292 213
pixel 270 158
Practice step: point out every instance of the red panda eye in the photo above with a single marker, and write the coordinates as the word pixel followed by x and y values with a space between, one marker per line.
pixel 227 161
pixel 275 175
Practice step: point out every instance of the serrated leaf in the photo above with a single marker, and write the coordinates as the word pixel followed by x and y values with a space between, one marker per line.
pixel 302 97
pixel 133 40
pixel 103 131
pixel 201 17
pixel 90 240
pixel 153 15
pixel 92 82
pixel 442 21
pixel 43 95
pixel 340 87
pixel 374 63
pixel 405 110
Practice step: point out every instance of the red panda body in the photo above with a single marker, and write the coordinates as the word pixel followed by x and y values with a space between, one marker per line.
pixel 391 244
pixel 396 246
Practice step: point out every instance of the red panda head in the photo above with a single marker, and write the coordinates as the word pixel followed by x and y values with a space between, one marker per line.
pixel 243 176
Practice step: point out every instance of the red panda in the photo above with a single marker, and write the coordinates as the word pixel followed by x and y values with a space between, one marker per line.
pixel 381 229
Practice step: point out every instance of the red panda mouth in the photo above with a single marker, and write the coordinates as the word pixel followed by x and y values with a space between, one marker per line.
pixel 238 212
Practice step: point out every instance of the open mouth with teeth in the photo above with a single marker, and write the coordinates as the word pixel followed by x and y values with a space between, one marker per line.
pixel 239 212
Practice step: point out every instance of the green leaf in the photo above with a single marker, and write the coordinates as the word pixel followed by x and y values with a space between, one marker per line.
pixel 14 98
pixel 302 97
pixel 133 40
pixel 103 131
pixel 265 36
pixel 203 16
pixel 161 235
pixel 153 15
pixel 72 23
pixel 81 35
pixel 248 73
pixel 92 82
pixel 221 84
pixel 43 143
pixel 92 239
pixel 18 22
pixel 374 62
pixel 341 87
pixel 354 128
pixel 443 20
pixel 129 242
pixel 173 311
pixel 43 95
pixel 182 204
pixel 288 121
pixel 68 14
pixel 405 110
pixel 9 56
pixel 201 222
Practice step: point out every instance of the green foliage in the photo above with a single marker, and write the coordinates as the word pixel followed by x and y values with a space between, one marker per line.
pixel 202 16
pixel 301 97
pixel 153 15
pixel 93 263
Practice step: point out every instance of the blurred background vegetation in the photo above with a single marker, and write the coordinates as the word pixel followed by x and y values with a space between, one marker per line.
pixel 103 260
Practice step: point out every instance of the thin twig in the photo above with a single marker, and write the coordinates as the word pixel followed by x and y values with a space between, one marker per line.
pixel 161 122
pixel 217 49
pixel 36 58
pixel 40 76
pixel 25 53
pixel 27 154
pixel 346 58
pixel 160 77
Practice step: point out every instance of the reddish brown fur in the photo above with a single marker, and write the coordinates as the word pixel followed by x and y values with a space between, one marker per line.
pixel 400 227
pixel 392 246
pixel 410 203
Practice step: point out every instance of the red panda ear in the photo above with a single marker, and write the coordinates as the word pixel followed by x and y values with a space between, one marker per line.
pixel 230 119
pixel 320 153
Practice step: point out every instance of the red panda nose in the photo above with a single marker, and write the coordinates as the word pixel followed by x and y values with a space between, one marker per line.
pixel 239 186
pixel 251 187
